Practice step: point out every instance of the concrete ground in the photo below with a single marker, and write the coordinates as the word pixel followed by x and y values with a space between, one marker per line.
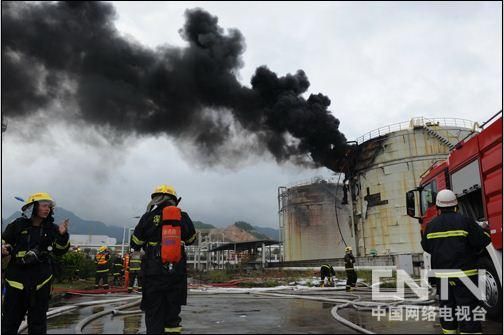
pixel 248 313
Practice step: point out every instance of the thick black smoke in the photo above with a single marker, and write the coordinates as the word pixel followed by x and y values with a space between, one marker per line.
pixel 71 51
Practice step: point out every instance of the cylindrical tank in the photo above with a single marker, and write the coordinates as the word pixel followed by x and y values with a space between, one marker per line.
pixel 388 162
pixel 385 164
pixel 314 223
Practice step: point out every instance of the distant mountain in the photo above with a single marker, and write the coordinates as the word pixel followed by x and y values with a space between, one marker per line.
pixel 273 234
pixel 78 225
pixel 251 230
pixel 238 232
pixel 203 226
pixel 233 233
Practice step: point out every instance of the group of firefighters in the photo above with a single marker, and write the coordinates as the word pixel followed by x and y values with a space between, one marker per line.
pixel 327 272
pixel 129 264
pixel 157 252
pixel 157 261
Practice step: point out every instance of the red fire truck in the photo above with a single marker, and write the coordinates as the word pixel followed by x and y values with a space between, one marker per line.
pixel 473 171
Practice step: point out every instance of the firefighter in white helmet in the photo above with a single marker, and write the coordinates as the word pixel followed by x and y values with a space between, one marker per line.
pixel 454 242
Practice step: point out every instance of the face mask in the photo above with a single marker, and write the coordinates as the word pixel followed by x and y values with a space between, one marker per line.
pixel 158 199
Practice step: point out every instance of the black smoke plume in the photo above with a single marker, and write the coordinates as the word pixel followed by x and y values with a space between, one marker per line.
pixel 71 52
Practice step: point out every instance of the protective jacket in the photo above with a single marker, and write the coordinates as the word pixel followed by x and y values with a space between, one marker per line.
pixel 454 242
pixel 349 262
pixel 326 270
pixel 30 272
pixel 102 262
pixel 159 276
pixel 117 269
pixel 33 249
pixel 135 261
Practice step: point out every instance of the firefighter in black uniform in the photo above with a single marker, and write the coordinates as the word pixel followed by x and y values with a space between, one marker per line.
pixel 135 270
pixel 349 269
pixel 102 267
pixel 117 269
pixel 327 271
pixel 454 241
pixel 32 240
pixel 164 284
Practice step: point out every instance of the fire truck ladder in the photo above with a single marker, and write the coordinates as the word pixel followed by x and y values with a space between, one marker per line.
pixel 437 135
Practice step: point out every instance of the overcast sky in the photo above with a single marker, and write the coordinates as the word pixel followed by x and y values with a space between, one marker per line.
pixel 379 63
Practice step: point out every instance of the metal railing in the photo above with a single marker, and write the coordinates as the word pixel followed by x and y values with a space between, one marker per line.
pixel 418 122
pixel 314 180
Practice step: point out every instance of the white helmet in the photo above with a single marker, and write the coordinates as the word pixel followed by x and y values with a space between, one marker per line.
pixel 446 198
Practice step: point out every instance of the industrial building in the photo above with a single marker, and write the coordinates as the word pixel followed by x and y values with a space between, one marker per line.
pixel 366 208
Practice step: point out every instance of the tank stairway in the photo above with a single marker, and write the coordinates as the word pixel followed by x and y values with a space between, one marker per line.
pixel 440 137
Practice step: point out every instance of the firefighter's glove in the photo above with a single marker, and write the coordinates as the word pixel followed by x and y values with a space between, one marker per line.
pixel 31 257
pixel 6 250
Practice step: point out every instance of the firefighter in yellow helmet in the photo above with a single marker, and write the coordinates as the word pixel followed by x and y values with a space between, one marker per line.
pixel 31 240
pixel 102 267
pixel 349 269
pixel 161 233
pixel 454 243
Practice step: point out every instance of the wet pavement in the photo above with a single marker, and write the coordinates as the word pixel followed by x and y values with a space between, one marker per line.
pixel 247 313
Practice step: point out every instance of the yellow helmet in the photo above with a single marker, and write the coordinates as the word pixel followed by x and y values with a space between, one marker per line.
pixel 347 249
pixel 102 248
pixel 164 189
pixel 41 196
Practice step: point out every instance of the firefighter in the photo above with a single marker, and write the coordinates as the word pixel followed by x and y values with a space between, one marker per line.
pixel 76 273
pixel 454 242
pixel 349 269
pixel 135 270
pixel 32 240
pixel 326 275
pixel 117 269
pixel 102 267
pixel 160 232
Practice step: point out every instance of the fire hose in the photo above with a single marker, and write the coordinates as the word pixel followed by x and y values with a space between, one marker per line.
pixel 354 299
pixel 57 311
pixel 80 326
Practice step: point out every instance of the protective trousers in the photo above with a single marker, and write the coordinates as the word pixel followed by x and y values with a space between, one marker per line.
pixel 161 311
pixel 132 276
pixel 325 273
pixel 17 302
pixel 102 275
pixel 351 278
pixel 456 312
pixel 117 280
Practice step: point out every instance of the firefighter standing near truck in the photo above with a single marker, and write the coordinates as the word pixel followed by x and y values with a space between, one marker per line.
pixel 454 242
pixel 32 240
pixel 161 233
